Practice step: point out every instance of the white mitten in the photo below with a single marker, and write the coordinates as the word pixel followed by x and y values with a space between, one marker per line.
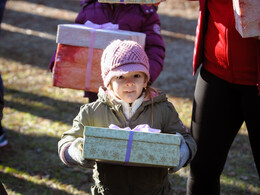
pixel 75 150
pixel 74 154
pixel 184 155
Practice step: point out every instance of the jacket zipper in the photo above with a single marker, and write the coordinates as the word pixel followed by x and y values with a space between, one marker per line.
pixel 130 112
pixel 128 124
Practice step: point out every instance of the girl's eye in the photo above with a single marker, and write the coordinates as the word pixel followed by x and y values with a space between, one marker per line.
pixel 120 77
pixel 137 75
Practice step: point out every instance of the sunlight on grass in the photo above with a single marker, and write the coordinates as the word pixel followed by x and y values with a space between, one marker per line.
pixel 11 192
pixel 241 185
pixel 26 31
pixel 35 80
pixel 41 10
pixel 184 109
pixel 172 9
pixel 26 123
pixel 184 172
pixel 36 104
pixel 36 113
pixel 50 183
pixel 23 72
pixel 243 130
pixel 178 35
pixel 31 89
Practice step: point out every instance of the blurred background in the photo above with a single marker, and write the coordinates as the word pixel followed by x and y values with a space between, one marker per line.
pixel 36 113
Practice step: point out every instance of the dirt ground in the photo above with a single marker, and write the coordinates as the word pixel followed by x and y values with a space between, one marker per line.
pixel 33 26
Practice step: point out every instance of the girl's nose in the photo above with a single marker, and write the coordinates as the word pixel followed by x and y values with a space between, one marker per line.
pixel 130 82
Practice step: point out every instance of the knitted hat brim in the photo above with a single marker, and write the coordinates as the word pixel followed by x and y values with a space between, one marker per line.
pixel 124 69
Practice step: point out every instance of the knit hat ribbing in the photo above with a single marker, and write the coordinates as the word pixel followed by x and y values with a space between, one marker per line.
pixel 121 57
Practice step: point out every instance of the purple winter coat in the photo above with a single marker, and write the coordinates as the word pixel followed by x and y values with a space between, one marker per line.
pixel 131 17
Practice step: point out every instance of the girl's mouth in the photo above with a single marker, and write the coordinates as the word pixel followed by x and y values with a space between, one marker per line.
pixel 129 91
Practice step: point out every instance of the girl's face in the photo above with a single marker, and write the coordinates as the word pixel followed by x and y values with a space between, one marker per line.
pixel 129 87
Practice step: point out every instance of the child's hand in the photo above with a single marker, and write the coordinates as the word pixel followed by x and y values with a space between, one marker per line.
pixel 75 152
pixel 184 155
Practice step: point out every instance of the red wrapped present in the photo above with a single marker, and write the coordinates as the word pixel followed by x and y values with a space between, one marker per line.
pixel 79 51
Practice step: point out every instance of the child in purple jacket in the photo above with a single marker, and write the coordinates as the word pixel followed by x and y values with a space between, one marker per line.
pixel 130 17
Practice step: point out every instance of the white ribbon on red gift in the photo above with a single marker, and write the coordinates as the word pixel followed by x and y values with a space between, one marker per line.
pixel 94 27
pixel 138 128
pixel 108 26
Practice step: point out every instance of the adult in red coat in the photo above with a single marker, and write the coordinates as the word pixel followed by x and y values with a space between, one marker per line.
pixel 226 94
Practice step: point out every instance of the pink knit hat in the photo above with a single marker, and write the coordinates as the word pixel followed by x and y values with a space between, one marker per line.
pixel 121 57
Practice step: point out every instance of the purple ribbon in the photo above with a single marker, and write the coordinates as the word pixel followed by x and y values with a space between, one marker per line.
pixel 139 128
pixel 129 146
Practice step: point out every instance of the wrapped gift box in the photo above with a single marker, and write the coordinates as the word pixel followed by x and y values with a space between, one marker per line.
pixel 247 17
pixel 146 149
pixel 70 69
pixel 132 1
pixel 78 55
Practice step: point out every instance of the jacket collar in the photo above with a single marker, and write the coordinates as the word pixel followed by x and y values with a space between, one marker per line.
pixel 127 109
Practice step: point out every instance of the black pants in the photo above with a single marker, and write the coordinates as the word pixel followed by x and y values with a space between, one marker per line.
pixel 219 109
pixel 1 103
pixel 2 189
pixel 2 8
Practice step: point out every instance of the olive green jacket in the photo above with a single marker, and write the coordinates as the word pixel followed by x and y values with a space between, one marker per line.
pixel 158 113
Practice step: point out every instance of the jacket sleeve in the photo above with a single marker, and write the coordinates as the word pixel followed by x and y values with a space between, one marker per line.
pixel 82 15
pixel 154 45
pixel 174 124
pixel 77 130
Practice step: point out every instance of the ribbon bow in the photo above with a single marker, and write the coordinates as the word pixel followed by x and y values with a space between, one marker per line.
pixel 139 128
pixel 108 26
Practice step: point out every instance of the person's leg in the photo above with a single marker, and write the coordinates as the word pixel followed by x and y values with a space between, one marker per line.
pixel 251 110
pixel 2 9
pixel 1 101
pixel 216 119
pixel 2 189
pixel 3 140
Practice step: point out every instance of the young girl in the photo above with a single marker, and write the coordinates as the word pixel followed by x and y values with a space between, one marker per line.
pixel 130 17
pixel 126 101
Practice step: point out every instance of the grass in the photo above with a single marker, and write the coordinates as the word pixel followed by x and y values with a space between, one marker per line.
pixel 35 117
pixel 36 114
